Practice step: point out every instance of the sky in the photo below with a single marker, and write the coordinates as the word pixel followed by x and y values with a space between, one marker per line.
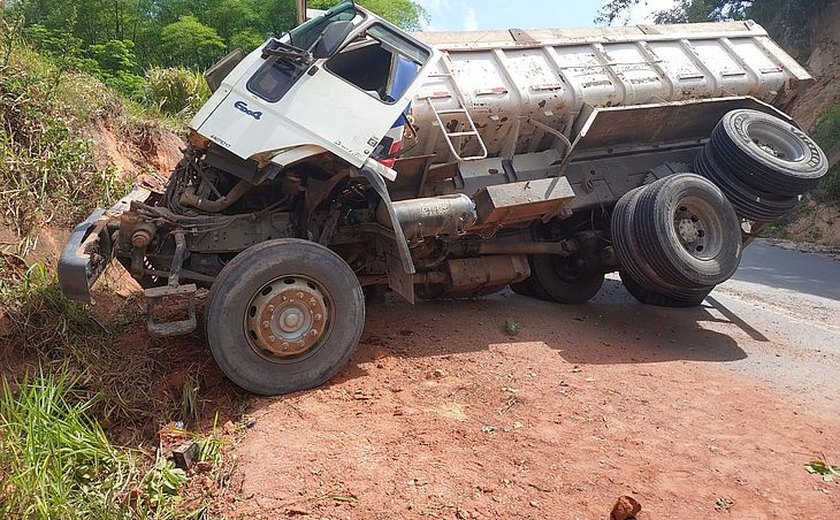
pixel 470 15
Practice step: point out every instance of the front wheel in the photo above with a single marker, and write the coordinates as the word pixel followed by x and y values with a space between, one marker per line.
pixel 284 315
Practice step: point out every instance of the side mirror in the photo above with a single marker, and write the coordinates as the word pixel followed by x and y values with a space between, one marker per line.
pixel 331 39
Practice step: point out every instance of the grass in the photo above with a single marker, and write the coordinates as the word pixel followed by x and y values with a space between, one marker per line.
pixel 57 462
pixel 43 325
pixel 827 135
pixel 78 390
pixel 48 172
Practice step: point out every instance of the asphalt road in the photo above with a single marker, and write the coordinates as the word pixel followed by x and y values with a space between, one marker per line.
pixel 782 308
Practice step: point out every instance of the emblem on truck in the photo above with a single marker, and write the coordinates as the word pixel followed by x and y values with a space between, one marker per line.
pixel 243 107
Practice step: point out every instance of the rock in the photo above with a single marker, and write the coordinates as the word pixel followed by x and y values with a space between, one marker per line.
pixel 184 455
pixel 437 373
pixel 626 508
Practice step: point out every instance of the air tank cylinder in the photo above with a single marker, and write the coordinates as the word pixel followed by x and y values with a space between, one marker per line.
pixel 446 215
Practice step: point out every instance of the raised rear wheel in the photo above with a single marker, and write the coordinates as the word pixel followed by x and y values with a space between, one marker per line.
pixel 766 153
pixel 284 315
pixel 677 233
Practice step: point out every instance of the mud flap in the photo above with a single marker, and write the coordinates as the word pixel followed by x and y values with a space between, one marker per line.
pixel 400 266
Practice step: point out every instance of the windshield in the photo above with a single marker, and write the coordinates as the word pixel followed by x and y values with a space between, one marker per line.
pixel 304 36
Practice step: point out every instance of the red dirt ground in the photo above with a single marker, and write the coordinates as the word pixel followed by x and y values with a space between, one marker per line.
pixel 441 415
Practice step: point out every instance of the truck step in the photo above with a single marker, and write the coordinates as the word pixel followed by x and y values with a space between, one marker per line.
pixel 155 296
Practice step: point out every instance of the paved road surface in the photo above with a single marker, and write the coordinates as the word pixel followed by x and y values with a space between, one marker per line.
pixel 785 308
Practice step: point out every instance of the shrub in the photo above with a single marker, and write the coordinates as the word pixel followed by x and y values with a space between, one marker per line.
pixel 175 91
pixel 827 134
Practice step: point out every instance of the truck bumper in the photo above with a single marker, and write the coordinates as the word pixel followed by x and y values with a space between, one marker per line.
pixel 90 248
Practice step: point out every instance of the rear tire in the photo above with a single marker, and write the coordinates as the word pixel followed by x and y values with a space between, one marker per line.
pixel 558 279
pixel 685 298
pixel 749 203
pixel 284 315
pixel 766 153
pixel 677 233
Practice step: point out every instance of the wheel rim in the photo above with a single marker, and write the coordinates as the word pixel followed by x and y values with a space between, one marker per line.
pixel 569 269
pixel 288 317
pixel 698 229
pixel 776 142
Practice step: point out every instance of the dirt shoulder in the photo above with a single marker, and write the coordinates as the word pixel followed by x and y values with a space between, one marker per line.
pixel 441 415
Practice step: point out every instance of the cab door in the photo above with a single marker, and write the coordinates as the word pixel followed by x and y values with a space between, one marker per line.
pixel 350 100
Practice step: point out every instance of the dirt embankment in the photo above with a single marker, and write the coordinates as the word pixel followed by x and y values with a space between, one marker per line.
pixel 142 149
pixel 824 64
pixel 817 222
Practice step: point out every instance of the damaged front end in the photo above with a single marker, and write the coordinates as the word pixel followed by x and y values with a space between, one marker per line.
pixel 92 245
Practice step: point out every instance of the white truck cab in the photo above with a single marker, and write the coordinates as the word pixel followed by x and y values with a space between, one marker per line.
pixel 337 83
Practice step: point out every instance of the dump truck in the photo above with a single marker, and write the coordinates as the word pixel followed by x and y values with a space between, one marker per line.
pixel 349 157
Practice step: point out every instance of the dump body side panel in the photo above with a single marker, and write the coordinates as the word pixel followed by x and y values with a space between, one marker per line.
pixel 509 79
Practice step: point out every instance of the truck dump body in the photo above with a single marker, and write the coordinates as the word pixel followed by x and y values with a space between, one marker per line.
pixel 506 78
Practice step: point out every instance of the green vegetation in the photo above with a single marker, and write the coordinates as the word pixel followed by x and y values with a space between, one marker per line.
pixel 56 460
pixel 784 19
pixel 827 134
pixel 61 335
pixel 47 167
pixel 820 467
pixel 175 90
pixel 121 41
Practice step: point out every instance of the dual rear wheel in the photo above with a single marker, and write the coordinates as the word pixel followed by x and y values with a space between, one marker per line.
pixel 675 239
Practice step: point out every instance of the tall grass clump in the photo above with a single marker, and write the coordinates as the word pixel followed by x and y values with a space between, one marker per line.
pixel 55 460
pixel 176 90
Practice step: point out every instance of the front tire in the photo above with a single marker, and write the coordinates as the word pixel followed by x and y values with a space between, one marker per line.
pixel 283 316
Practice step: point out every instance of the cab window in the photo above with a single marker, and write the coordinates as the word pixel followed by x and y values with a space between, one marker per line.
pixel 380 62
pixel 275 77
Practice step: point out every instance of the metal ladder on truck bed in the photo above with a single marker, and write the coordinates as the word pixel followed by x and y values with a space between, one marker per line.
pixel 471 130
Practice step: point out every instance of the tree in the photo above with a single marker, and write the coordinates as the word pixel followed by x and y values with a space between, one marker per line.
pixel 405 14
pixel 247 40
pixel 191 43
pixel 786 20
pixel 229 17
pixel 115 55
